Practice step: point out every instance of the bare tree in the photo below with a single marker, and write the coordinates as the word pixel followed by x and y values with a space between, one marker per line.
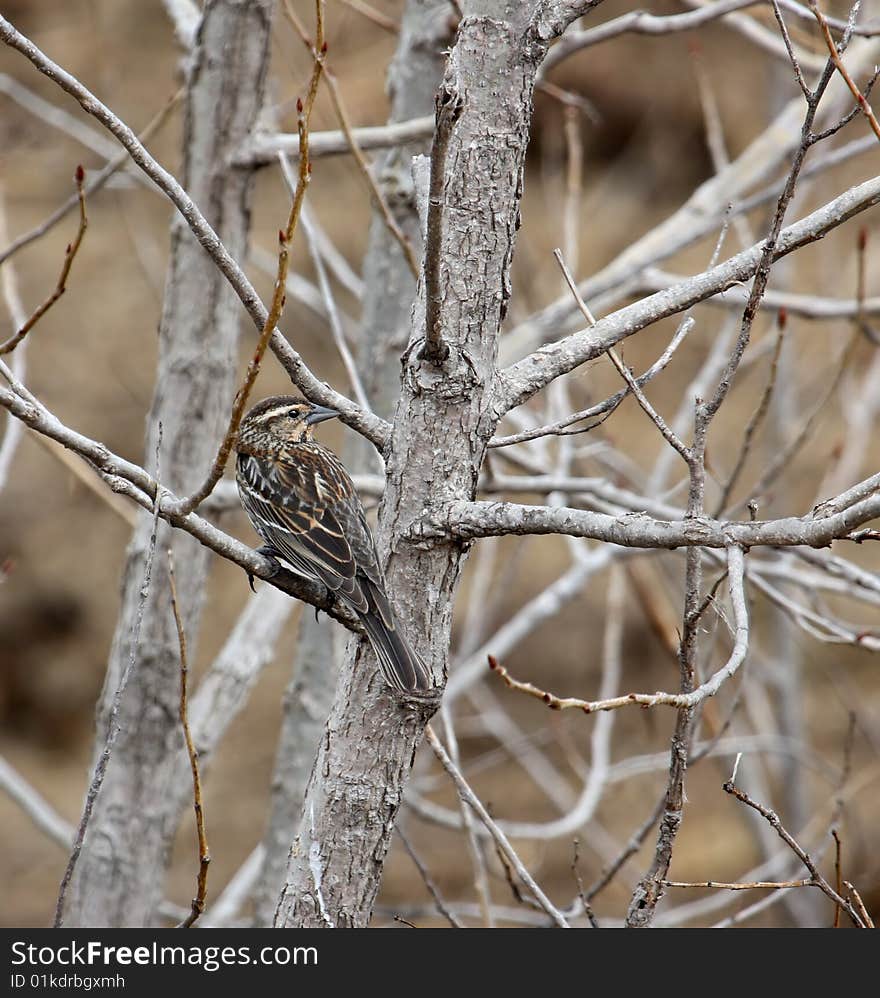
pixel 462 396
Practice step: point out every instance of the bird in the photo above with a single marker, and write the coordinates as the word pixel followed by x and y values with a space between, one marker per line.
pixel 302 502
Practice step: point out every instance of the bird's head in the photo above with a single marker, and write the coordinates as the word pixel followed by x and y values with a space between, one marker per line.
pixel 286 418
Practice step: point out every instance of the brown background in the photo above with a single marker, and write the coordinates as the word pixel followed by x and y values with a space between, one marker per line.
pixel 91 360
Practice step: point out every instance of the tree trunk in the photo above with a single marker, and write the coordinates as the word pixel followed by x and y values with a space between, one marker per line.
pixel 389 289
pixel 440 434
pixel 118 880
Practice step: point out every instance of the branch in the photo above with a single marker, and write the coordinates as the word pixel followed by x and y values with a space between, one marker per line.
pixel 792 844
pixel 641 22
pixel 518 383
pixel 61 286
pixel 375 429
pixel 500 838
pixel 94 183
pixel 133 481
pixel 734 297
pixel 264 149
pixel 678 700
pixel 198 902
pixel 285 237
pixel 467 520
pixel 838 62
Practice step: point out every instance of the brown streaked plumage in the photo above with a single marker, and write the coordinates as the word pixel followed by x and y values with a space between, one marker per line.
pixel 302 502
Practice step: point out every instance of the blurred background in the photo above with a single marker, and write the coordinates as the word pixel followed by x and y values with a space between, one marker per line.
pixel 92 358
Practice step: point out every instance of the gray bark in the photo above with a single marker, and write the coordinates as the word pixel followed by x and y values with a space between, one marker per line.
pixel 389 289
pixel 306 706
pixel 119 880
pixel 441 429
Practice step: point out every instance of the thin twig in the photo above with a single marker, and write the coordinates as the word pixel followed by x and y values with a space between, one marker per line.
pixel 765 885
pixel 678 700
pixel 345 122
pixel 285 236
pixel 500 838
pixel 371 14
pixel 582 895
pixel 442 907
pixel 806 426
pixel 560 427
pixel 838 62
pixel 773 819
pixel 757 416
pixel 198 902
pixel 61 286
pixel 478 859
pixel 624 372
pixel 836 923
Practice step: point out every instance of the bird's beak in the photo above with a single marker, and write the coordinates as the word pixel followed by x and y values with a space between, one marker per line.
pixel 319 413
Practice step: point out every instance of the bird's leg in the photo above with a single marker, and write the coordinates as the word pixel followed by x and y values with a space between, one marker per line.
pixel 267 551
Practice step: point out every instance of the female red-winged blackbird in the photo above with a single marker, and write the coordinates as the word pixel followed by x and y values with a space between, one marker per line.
pixel 302 502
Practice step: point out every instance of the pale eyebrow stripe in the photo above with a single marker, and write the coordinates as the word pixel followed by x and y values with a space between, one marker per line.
pixel 277 411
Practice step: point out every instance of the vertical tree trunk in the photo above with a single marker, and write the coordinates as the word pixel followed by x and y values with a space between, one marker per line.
pixel 441 429
pixel 119 880
pixel 389 289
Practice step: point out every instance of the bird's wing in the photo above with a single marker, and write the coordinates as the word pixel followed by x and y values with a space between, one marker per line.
pixel 310 513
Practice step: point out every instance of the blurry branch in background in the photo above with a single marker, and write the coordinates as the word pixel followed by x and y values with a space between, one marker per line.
pixel 34 805
pixel 14 429
pixel 185 16
pixel 370 12
pixel 264 148
pixel 330 307
pixel 442 907
pixel 113 727
pixel 376 194
pixel 93 183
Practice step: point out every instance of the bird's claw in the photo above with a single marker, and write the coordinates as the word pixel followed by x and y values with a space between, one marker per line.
pixel 267 551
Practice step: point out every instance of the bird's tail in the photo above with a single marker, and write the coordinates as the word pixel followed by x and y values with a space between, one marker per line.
pixel 401 664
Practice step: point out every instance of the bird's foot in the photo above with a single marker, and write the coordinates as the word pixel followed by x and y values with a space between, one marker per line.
pixel 267 551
